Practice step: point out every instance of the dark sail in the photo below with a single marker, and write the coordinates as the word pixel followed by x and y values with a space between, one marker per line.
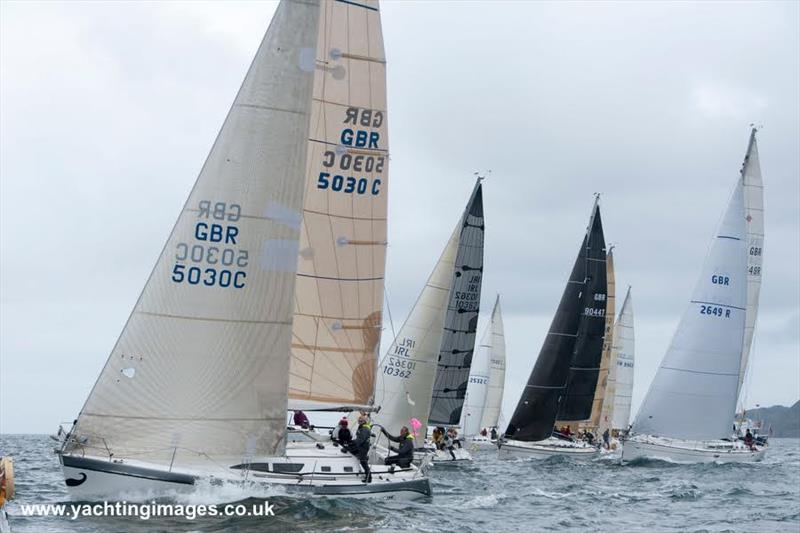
pixel 461 320
pixel 536 411
pixel 585 367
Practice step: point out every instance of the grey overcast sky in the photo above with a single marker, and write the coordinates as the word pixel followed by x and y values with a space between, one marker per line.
pixel 107 112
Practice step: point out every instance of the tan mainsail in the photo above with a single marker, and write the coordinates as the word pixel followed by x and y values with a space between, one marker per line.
pixel 338 295
pixel 604 394
pixel 200 371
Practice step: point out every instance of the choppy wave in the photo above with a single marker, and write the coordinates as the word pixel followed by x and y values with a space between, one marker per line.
pixel 488 495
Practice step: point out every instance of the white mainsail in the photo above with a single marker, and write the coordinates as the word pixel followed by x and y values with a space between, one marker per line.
pixel 407 371
pixel 622 361
pixel 754 215
pixel 497 370
pixel 475 400
pixel 338 296
pixel 200 370
pixel 693 395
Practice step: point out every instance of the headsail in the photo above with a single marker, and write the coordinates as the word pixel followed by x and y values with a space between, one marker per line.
pixel 623 354
pixel 497 370
pixel 693 395
pixel 338 296
pixel 541 398
pixel 461 320
pixel 754 216
pixel 200 369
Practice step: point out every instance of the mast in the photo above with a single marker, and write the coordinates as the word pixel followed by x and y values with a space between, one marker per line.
pixel 547 385
pixel 704 357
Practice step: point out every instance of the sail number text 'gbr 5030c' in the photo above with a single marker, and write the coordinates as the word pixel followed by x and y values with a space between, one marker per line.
pixel 351 162
pixel 214 259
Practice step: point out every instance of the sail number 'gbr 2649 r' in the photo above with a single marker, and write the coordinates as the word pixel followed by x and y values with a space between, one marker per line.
pixel 213 259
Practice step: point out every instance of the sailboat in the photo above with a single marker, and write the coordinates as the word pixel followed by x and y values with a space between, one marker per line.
pixel 423 375
pixel 563 380
pixel 269 290
pixel 703 361
pixel 486 382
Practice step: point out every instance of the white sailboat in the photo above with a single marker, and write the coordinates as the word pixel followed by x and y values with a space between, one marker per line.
pixel 443 318
pixel 486 382
pixel 703 361
pixel 269 290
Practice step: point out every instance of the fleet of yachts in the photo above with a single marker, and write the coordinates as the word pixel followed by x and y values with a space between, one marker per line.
pixel 268 297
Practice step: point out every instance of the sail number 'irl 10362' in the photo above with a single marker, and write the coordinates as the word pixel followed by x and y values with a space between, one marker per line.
pixel 347 167
pixel 213 258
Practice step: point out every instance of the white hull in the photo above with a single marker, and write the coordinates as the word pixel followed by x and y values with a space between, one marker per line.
pixel 306 470
pixel 682 451
pixel 550 447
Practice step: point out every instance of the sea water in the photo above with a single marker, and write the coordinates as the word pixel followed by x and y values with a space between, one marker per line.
pixel 488 494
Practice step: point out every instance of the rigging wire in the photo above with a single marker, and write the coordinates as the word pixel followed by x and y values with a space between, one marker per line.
pixel 389 311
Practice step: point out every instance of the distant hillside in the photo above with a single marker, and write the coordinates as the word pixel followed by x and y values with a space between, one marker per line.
pixel 785 421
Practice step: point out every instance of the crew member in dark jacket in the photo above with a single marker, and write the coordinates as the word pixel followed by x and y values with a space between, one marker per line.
pixel 360 446
pixel 405 452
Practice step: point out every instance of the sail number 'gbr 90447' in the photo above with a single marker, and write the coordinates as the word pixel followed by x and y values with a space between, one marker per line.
pixel 347 167
pixel 213 258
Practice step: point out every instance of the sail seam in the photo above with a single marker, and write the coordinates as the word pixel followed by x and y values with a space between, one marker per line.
pixel 700 371
pixel 211 319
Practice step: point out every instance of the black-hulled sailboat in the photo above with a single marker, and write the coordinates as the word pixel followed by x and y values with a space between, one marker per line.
pixel 563 381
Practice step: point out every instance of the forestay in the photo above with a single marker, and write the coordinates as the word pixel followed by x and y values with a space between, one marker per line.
pixel 461 319
pixel 200 369
pixel 338 296
pixel 754 216
pixel 693 395
pixel 497 370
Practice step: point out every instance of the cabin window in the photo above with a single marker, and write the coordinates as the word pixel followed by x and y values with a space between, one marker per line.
pixel 255 467
pixel 287 468
pixel 348 469
pixel 326 469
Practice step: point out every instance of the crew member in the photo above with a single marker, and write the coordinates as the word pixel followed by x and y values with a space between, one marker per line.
pixel 405 452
